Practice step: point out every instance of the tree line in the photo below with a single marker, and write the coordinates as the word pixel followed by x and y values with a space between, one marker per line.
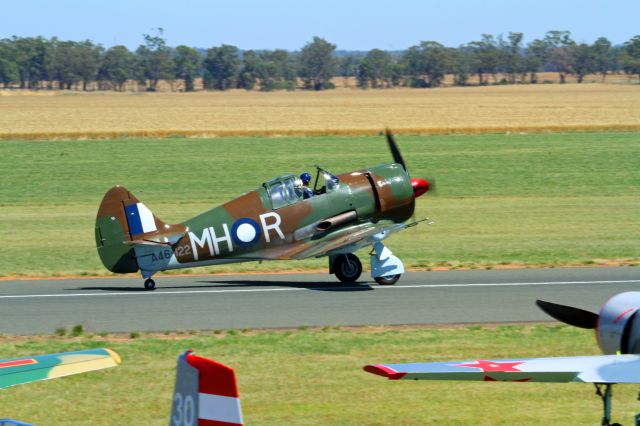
pixel 39 63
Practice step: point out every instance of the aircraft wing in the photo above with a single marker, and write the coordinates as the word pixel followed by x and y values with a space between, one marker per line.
pixel 590 369
pixel 356 236
pixel 17 371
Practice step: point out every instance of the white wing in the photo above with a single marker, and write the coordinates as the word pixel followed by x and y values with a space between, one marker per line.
pixel 591 369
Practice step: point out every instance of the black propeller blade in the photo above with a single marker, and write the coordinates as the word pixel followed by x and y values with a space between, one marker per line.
pixel 569 315
pixel 395 152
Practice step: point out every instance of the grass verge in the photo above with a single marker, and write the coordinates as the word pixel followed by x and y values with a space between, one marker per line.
pixel 314 376
pixel 526 200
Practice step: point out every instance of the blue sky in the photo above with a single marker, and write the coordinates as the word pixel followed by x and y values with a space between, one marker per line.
pixel 288 24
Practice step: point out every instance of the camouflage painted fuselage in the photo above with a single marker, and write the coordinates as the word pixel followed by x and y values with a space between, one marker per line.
pixel 272 222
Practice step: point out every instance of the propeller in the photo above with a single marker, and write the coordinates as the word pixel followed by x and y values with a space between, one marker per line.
pixel 393 147
pixel 420 186
pixel 569 315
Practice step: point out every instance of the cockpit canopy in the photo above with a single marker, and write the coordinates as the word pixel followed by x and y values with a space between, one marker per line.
pixel 325 182
pixel 284 190
pixel 288 189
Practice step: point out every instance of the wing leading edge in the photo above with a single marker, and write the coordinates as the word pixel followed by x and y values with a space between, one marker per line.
pixel 17 371
pixel 590 369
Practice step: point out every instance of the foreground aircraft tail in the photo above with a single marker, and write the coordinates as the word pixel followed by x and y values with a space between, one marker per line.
pixel 17 371
pixel 123 222
pixel 205 393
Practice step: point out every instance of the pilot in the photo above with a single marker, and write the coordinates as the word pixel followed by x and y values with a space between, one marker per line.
pixel 306 191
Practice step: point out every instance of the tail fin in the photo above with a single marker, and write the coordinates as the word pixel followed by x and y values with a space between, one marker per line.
pixel 121 221
pixel 206 393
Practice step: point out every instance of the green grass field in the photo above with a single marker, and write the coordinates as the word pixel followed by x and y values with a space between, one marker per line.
pixel 315 377
pixel 534 199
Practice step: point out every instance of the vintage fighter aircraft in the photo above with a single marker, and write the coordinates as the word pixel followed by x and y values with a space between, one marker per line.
pixel 345 213
pixel 617 331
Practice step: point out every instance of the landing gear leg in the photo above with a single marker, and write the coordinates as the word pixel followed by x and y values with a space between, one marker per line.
pixel 606 402
pixel 386 268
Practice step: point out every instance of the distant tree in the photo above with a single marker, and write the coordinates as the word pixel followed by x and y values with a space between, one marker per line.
pixel 249 70
pixel 615 58
pixel 375 69
pixel 87 61
pixel 317 65
pixel 9 72
pixel 63 66
pixel 461 65
pixel 222 63
pixel 398 72
pixel 602 55
pixel 559 44
pixel 32 57
pixel 560 59
pixel 581 60
pixel 117 66
pixel 154 61
pixel 487 57
pixel 555 38
pixel 188 63
pixel 630 56
pixel 347 68
pixel 511 55
pixel 276 71
pixel 535 58
pixel 427 63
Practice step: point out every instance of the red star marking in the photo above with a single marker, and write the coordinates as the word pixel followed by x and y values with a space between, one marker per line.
pixel 17 362
pixel 487 366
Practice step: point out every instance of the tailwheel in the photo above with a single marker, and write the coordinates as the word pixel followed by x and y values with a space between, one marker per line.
pixel 347 268
pixel 388 280
pixel 149 284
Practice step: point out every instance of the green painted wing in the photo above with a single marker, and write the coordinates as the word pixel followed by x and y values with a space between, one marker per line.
pixel 17 371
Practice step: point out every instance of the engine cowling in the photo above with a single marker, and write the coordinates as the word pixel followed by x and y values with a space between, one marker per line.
pixel 618 328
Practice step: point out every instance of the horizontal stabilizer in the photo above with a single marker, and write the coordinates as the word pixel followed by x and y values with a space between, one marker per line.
pixel 158 240
pixel 591 369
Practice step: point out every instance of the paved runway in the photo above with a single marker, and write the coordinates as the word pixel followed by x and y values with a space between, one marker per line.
pixel 264 301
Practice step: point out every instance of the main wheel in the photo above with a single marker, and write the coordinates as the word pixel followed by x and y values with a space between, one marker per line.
pixel 149 284
pixel 388 280
pixel 347 268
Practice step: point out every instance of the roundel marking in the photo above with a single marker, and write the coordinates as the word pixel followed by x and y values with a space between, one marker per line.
pixel 245 231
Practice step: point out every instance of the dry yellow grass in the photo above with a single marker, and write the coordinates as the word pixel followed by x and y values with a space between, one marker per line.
pixel 342 111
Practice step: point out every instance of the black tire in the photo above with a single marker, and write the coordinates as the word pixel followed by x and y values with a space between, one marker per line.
pixel 388 280
pixel 347 268
pixel 149 284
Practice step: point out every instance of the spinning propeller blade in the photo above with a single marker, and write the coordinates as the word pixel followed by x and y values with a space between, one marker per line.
pixel 393 147
pixel 569 315
pixel 420 186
